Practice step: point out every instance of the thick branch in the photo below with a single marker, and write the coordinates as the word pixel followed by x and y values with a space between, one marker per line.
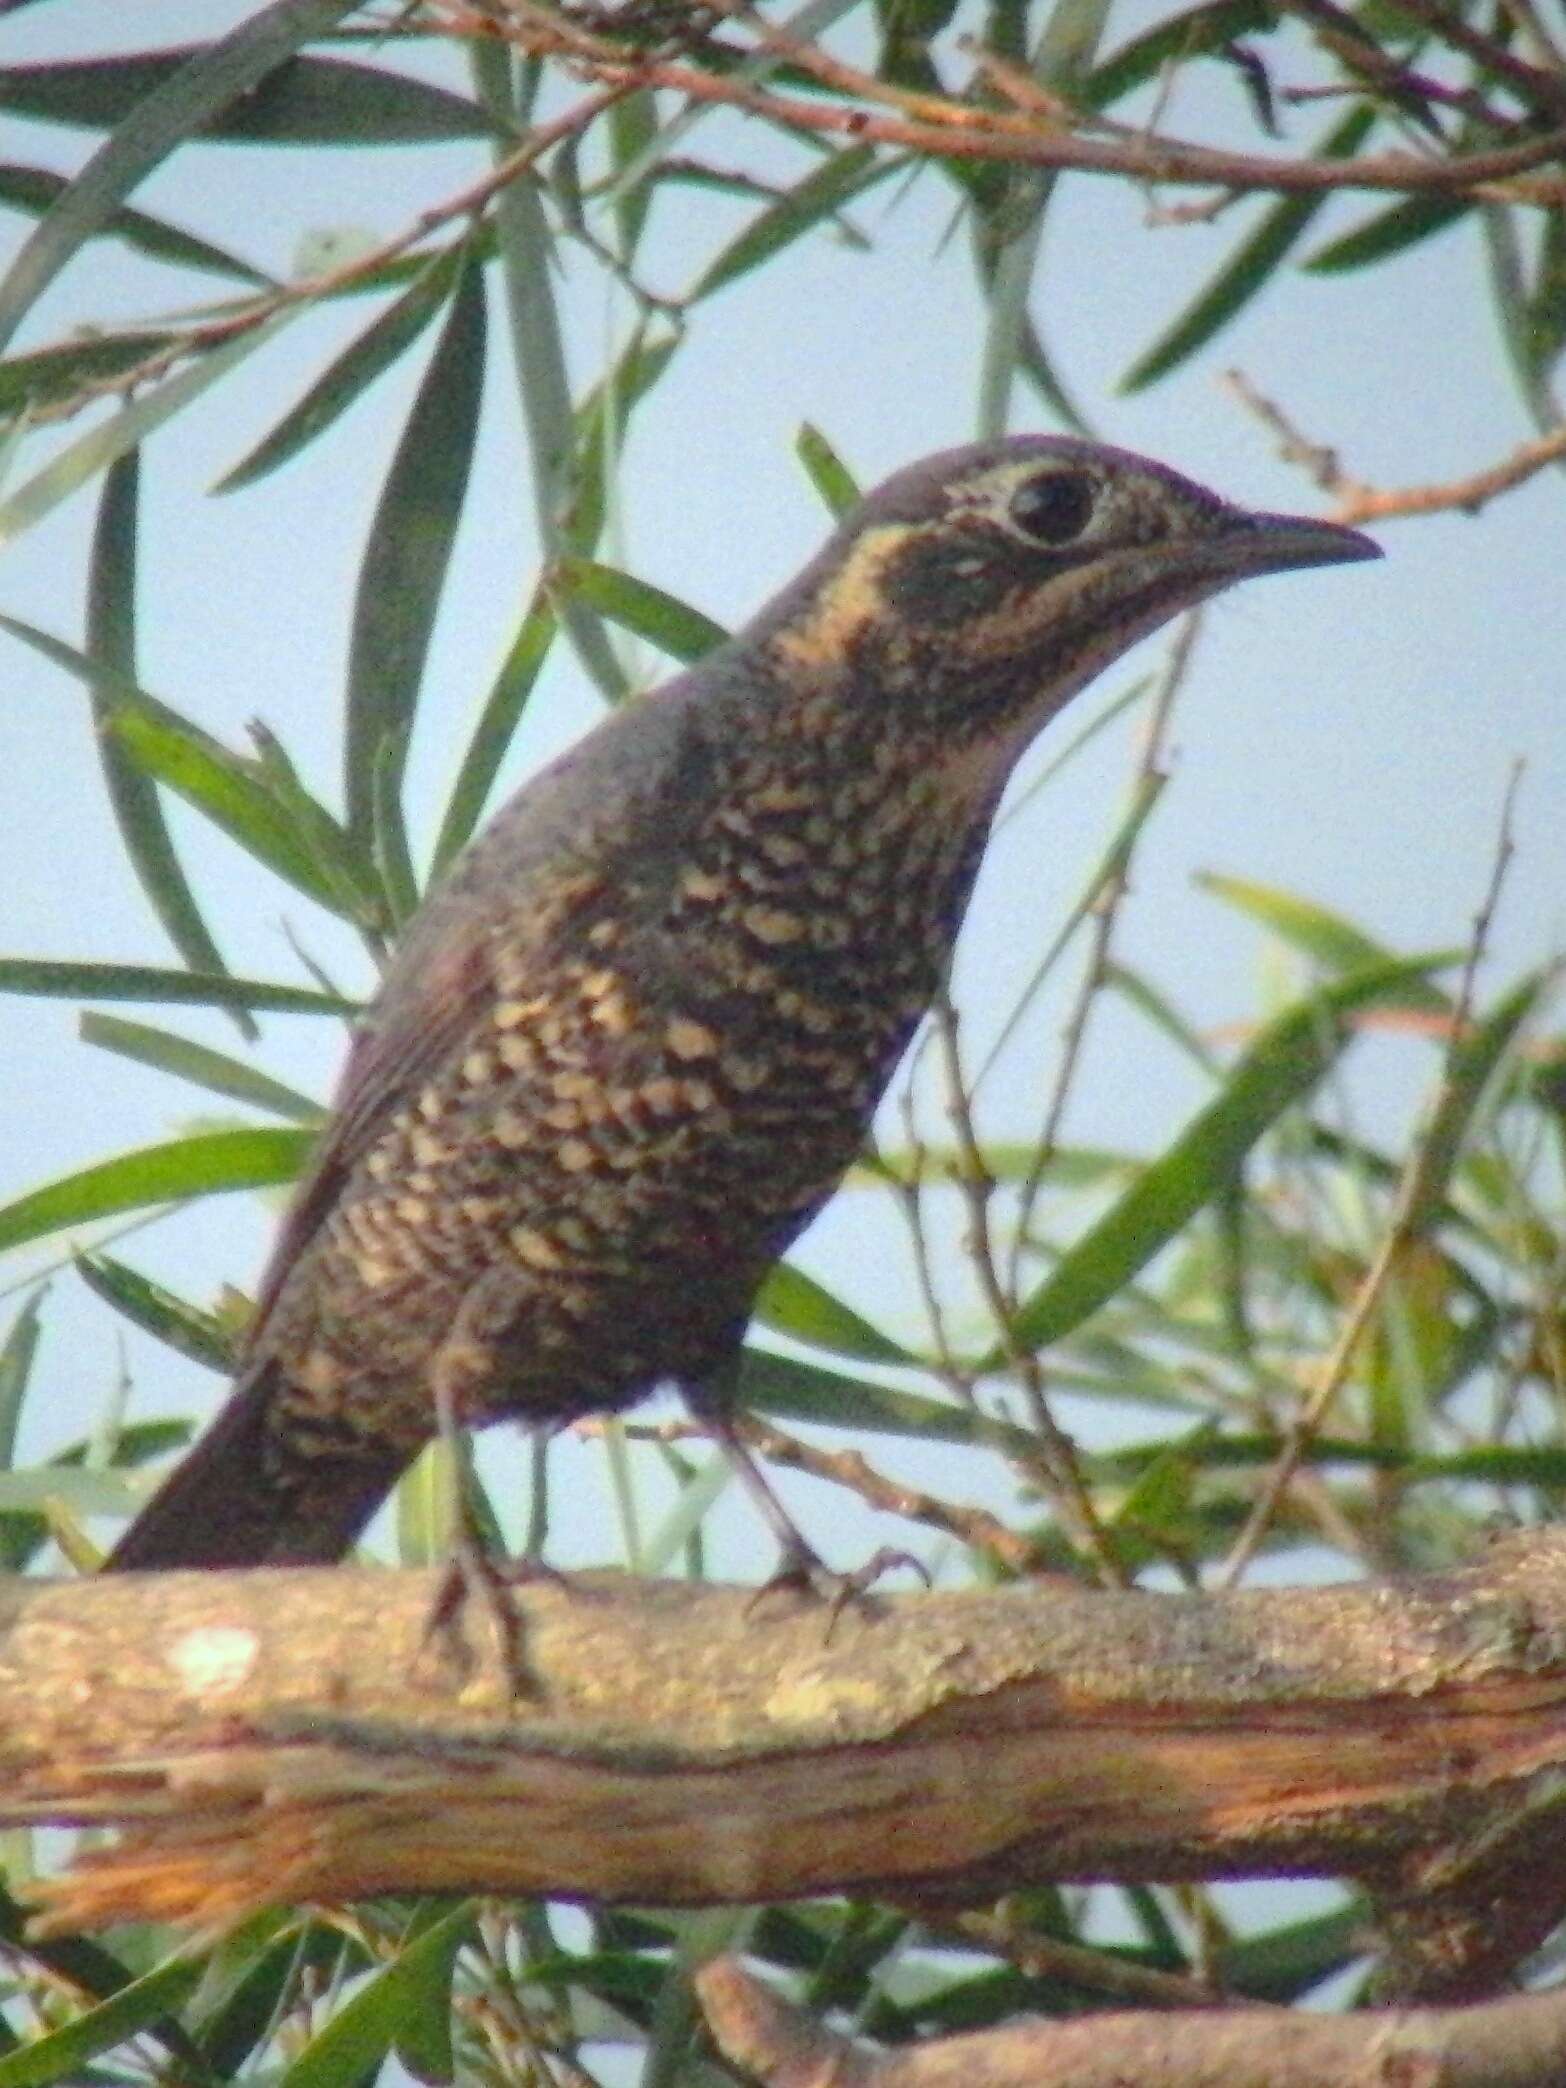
pixel 1519 2043
pixel 278 1736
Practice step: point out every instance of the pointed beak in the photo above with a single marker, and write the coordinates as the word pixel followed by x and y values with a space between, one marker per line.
pixel 1278 543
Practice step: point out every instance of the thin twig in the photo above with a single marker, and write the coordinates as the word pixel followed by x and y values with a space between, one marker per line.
pixel 1074 1964
pixel 1410 1195
pixel 1061 1470
pixel 1148 778
pixel 1356 502
pixel 945 126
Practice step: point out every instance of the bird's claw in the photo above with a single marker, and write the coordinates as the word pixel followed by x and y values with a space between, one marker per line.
pixel 473 1573
pixel 801 1571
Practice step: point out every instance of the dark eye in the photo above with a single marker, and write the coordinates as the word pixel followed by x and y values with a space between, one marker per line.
pixel 1056 508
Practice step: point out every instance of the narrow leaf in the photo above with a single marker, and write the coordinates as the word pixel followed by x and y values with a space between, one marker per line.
pixel 198 1336
pixel 55 979
pixel 821 194
pixel 566 521
pixel 205 1164
pixel 34 189
pixel 213 1070
pixel 637 606
pixel 794 1304
pixel 1388 232
pixel 600 423
pixel 233 792
pixel 1250 266
pixel 65 2053
pixel 300 101
pixel 98 448
pixel 382 2012
pixel 497 722
pixel 55 376
pixel 111 644
pixel 220 785
pixel 1196 32
pixel 1281 1067
pixel 389 841
pixel 349 375
pixel 1326 938
pixel 1474 1058
pixel 408 552
pixel 826 471
pixel 147 132
pixel 16 1369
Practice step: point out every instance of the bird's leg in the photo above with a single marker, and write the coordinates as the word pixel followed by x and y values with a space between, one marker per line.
pixel 464 1367
pixel 800 1566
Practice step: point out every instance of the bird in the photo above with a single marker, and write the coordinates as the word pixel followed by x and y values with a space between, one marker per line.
pixel 629 1046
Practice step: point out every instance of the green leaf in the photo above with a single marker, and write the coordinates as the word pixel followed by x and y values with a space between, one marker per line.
pixel 224 786
pixel 16 1368
pixel 213 1070
pixel 394 2007
pixel 147 132
pixel 1197 32
pixel 1391 231
pixel 600 424
pixel 632 124
pixel 52 376
pixel 389 836
pixel 1472 1061
pixel 1546 317
pixel 1249 267
pixel 236 794
pixel 349 375
pixel 795 1304
pixel 126 2014
pixel 566 520
pixel 352 879
pixel 34 189
pixel 138 811
pixel 93 452
pixel 1161 1013
pixel 205 1164
pixel 198 1336
pixel 821 194
pixel 795 1391
pixel 299 101
pixel 637 606
pixel 497 722
pixel 826 471
pixel 24 1532
pixel 1326 938
pixel 55 979
pixel 408 552
pixel 1281 1067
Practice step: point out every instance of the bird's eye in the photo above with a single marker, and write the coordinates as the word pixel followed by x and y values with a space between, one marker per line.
pixel 1055 508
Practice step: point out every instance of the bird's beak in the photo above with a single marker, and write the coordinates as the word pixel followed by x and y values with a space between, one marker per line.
pixel 1278 543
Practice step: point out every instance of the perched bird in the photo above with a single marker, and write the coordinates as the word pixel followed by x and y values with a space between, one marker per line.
pixel 627 1050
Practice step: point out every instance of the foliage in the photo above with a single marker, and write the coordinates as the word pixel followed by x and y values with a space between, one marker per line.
pixel 1196 1289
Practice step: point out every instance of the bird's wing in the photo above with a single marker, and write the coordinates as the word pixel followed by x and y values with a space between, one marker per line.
pixel 625 789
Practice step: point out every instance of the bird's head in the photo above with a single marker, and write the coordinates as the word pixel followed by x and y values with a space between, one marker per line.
pixel 975 592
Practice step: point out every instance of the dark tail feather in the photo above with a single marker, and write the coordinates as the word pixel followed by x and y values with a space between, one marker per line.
pixel 229 1504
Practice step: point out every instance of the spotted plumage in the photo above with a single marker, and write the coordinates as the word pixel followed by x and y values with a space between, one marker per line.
pixel 627 1050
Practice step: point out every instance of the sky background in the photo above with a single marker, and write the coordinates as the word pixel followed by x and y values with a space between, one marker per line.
pixel 1346 735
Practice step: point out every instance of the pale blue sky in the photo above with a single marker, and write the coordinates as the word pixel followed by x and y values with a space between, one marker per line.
pixel 1345 734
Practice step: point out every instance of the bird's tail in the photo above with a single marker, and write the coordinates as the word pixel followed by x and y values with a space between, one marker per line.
pixel 234 1502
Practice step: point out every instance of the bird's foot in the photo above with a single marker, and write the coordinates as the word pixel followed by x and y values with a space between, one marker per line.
pixel 801 1571
pixel 473 1573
